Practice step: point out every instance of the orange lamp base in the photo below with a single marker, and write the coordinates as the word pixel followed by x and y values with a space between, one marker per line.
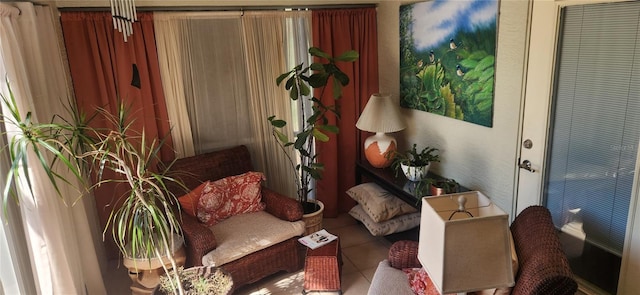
pixel 377 148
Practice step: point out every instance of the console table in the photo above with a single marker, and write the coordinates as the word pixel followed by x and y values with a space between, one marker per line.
pixel 399 186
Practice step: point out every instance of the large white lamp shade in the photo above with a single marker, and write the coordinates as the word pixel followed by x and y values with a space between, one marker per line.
pixel 462 253
pixel 381 115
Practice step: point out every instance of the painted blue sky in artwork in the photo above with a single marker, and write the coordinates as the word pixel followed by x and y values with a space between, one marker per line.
pixel 438 21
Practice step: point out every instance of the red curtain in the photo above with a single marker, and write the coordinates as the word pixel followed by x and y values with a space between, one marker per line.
pixel 336 31
pixel 102 69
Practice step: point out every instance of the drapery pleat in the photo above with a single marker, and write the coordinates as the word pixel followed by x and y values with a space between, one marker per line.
pixel 102 69
pixel 170 40
pixel 58 229
pixel 218 70
pixel 264 34
pixel 209 67
pixel 335 31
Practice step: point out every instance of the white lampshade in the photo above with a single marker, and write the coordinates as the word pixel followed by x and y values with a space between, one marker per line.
pixel 465 253
pixel 381 115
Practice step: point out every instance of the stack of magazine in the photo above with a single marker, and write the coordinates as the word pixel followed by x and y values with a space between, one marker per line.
pixel 317 239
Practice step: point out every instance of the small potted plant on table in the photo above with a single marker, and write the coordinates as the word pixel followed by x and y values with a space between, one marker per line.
pixel 443 186
pixel 415 165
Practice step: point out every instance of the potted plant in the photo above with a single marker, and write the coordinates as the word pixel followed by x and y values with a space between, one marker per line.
pixel 415 165
pixel 145 225
pixel 315 125
pixel 443 186
pixel 204 280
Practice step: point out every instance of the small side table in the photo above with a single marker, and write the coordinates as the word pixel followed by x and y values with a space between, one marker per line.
pixel 145 273
pixel 323 269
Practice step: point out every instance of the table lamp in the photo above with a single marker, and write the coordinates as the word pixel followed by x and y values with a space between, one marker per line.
pixel 380 115
pixel 465 243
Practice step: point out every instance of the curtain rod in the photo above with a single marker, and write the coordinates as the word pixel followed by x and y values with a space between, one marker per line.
pixel 222 8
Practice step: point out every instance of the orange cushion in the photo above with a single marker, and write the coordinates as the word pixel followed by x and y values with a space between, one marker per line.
pixel 230 196
pixel 189 201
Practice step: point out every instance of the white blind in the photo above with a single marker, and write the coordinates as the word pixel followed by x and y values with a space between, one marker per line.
pixel 596 120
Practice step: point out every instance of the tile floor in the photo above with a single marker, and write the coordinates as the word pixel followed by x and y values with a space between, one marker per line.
pixel 361 253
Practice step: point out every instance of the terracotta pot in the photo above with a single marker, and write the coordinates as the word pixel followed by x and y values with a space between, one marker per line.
pixel 436 191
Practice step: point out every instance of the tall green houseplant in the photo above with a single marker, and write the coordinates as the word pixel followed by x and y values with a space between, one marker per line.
pixel 299 81
pixel 145 226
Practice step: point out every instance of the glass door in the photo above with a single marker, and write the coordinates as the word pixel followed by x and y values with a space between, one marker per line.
pixel 593 140
pixel 580 135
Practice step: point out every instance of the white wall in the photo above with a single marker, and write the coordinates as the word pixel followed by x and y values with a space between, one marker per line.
pixel 478 157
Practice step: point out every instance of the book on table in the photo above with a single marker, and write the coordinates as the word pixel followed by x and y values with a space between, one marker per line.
pixel 317 239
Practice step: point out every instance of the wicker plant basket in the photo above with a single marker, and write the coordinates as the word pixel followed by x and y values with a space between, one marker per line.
pixel 313 221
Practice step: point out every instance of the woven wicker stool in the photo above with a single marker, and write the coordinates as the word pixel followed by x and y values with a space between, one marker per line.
pixel 323 269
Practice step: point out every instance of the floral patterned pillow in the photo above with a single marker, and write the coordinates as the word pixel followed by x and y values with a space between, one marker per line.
pixel 420 282
pixel 230 196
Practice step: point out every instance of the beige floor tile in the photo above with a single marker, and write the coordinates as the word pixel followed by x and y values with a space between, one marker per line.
pixel 384 242
pixel 285 283
pixel 368 273
pixel 366 255
pixel 342 220
pixel 246 290
pixel 348 267
pixel 352 235
pixel 355 284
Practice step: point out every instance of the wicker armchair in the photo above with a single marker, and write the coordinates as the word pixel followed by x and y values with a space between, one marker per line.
pixel 200 240
pixel 543 268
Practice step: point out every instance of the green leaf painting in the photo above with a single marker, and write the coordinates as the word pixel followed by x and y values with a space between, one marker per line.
pixel 447 58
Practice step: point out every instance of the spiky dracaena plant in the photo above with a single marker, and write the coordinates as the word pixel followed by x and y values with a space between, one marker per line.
pixel 145 224
pixel 299 82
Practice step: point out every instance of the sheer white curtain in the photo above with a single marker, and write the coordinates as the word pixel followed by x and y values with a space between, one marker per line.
pixel 271 41
pixel 223 66
pixel 209 62
pixel 170 39
pixel 58 231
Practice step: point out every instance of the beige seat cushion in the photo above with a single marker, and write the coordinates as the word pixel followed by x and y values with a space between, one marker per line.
pixel 388 280
pixel 246 233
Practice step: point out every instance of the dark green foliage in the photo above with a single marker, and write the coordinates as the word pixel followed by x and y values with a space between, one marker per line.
pixel 316 127
pixel 436 86
pixel 145 224
pixel 412 157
